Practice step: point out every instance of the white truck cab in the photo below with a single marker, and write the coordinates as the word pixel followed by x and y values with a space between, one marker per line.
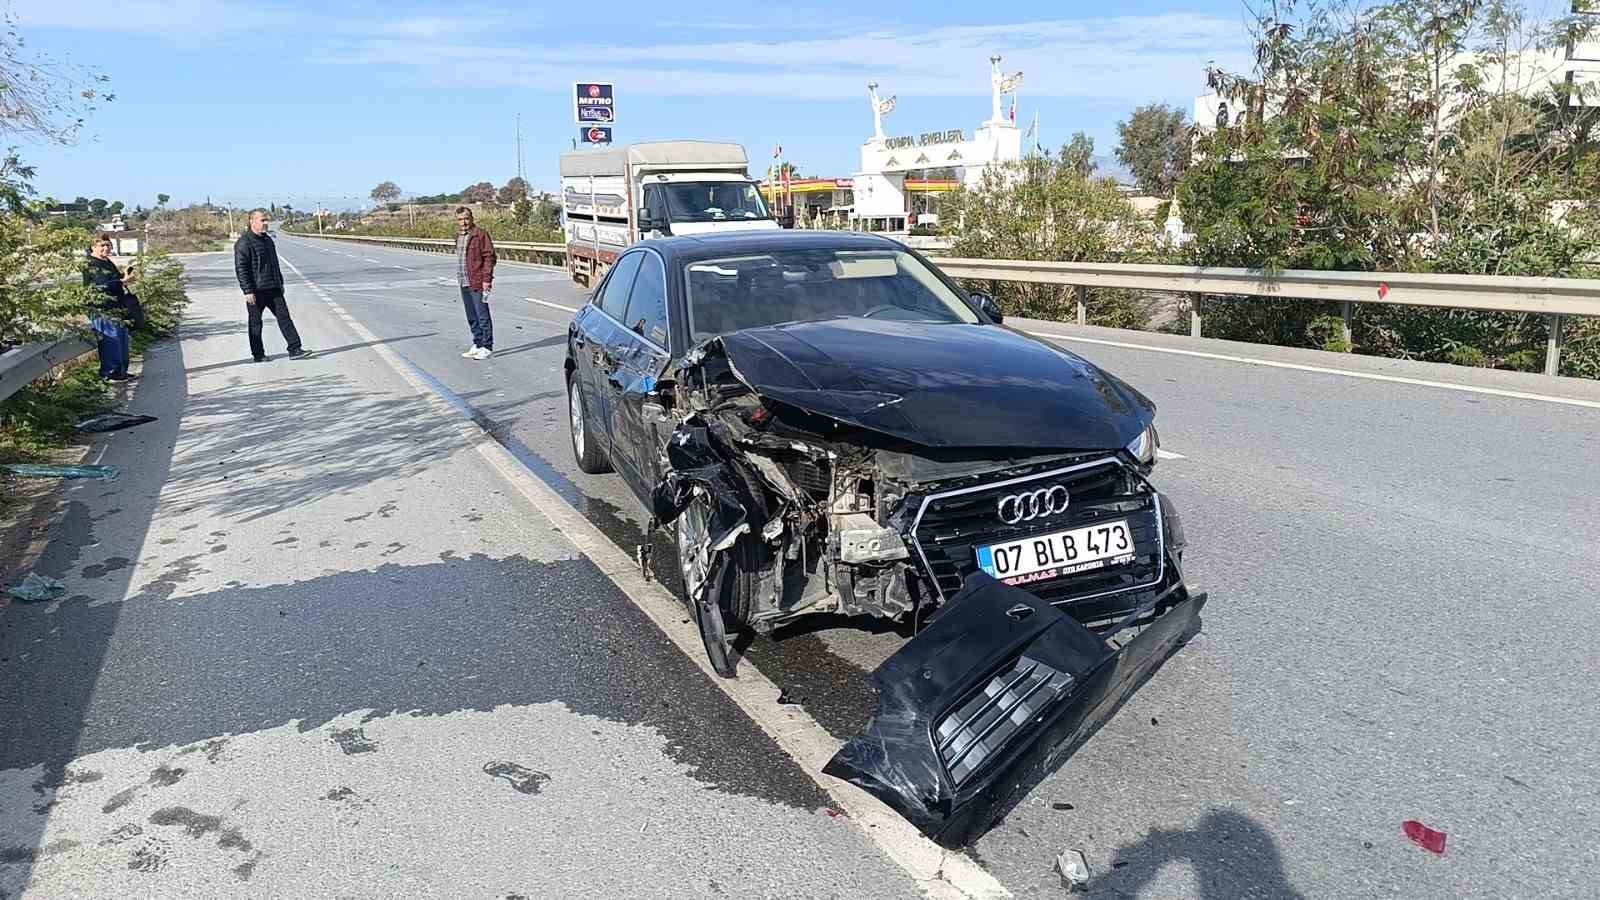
pixel 614 197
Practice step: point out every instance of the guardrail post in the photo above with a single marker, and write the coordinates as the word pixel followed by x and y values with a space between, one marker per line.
pixel 1194 315
pixel 1349 338
pixel 1082 292
pixel 1552 347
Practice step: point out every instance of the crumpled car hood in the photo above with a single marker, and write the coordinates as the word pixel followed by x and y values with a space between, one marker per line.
pixel 941 385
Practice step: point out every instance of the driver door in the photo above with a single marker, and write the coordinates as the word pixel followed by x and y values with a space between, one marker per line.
pixel 642 356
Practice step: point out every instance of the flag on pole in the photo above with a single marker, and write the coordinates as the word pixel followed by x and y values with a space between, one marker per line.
pixel 887 106
pixel 1013 110
pixel 777 151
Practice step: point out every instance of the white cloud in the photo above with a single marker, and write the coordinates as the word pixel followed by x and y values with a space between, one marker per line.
pixel 1118 58
pixel 1123 57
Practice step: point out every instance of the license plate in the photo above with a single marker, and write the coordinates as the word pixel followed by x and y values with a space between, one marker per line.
pixel 1046 556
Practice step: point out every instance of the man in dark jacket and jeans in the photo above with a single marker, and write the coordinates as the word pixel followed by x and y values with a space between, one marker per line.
pixel 255 263
pixel 475 261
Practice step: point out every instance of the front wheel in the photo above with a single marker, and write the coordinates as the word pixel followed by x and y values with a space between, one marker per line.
pixel 584 448
pixel 720 588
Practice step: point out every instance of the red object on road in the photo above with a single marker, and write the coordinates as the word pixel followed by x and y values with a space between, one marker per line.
pixel 1383 290
pixel 1423 836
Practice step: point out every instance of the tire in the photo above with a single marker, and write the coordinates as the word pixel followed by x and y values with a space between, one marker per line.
pixel 584 449
pixel 733 580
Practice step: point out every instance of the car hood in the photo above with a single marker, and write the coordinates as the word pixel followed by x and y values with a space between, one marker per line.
pixel 941 385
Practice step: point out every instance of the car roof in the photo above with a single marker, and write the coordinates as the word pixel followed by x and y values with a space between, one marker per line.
pixel 691 248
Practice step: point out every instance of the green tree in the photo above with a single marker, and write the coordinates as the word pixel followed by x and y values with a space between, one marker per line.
pixel 1154 144
pixel 1378 142
pixel 115 208
pixel 161 200
pixel 98 206
pixel 1078 154
pixel 482 192
pixel 516 189
pixel 1049 208
pixel 385 192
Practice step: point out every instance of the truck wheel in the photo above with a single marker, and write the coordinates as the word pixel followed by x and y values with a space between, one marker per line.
pixel 584 448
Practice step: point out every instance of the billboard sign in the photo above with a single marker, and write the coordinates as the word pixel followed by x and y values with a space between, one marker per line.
pixel 594 134
pixel 594 103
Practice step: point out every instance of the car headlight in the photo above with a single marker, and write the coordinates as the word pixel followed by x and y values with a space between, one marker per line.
pixel 1143 447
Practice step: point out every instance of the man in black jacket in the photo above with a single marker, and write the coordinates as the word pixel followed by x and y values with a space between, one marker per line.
pixel 255 263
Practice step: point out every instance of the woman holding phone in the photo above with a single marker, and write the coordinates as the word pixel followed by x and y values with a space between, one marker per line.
pixel 115 344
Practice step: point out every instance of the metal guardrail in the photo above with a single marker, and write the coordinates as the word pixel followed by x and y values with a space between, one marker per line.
pixel 556 254
pixel 21 365
pixel 1556 298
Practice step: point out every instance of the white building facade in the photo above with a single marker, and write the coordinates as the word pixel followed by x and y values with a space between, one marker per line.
pixel 880 202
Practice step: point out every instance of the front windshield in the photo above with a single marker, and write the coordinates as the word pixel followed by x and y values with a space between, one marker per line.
pixel 713 201
pixel 726 295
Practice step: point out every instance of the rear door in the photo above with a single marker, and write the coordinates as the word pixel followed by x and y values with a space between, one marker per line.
pixel 642 356
pixel 594 344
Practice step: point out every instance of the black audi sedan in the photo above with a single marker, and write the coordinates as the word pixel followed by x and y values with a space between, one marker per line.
pixel 829 424
pixel 832 425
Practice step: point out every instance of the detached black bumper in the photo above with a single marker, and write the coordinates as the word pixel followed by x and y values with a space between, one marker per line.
pixel 992 696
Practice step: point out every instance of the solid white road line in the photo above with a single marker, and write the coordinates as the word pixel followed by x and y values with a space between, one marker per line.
pixel 570 309
pixel 941 874
pixel 1325 370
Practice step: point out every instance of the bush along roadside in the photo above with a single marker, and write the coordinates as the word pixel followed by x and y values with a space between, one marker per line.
pixel 42 417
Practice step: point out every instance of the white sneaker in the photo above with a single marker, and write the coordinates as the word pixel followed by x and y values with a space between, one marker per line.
pixel 482 353
pixel 472 353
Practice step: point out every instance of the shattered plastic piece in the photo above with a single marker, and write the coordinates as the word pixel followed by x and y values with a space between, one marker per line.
pixel 786 699
pixel 1050 683
pixel 1423 836
pixel 1074 870
pixel 112 421
pixel 37 589
pixel 1061 807
pixel 30 470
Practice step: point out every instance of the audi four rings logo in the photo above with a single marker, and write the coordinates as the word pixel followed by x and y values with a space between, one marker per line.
pixel 1045 502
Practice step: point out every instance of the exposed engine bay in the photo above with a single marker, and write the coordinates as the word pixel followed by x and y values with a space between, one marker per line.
pixel 781 511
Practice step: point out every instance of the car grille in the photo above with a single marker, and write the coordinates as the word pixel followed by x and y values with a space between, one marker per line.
pixel 953 525
pixel 978 728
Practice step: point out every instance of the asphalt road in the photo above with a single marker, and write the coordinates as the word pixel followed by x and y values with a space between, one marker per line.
pixel 1402 612
pixel 314 645
pixel 1402 615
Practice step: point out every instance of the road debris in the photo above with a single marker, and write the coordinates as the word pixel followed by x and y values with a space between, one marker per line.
pixel 1061 807
pixel 1423 836
pixel 112 421
pixel 32 470
pixel 1074 870
pixel 37 589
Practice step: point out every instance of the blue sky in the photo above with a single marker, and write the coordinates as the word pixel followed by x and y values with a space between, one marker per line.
pixel 305 102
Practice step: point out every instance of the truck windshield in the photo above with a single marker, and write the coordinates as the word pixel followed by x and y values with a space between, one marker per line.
pixel 713 201
pixel 727 295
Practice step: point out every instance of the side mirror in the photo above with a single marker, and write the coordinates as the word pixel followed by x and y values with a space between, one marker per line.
pixel 649 222
pixel 989 305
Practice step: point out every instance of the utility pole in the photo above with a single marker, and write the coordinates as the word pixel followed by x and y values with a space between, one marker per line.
pixel 520 173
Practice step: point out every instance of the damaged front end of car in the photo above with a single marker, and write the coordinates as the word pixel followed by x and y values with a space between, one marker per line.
pixel 1041 585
